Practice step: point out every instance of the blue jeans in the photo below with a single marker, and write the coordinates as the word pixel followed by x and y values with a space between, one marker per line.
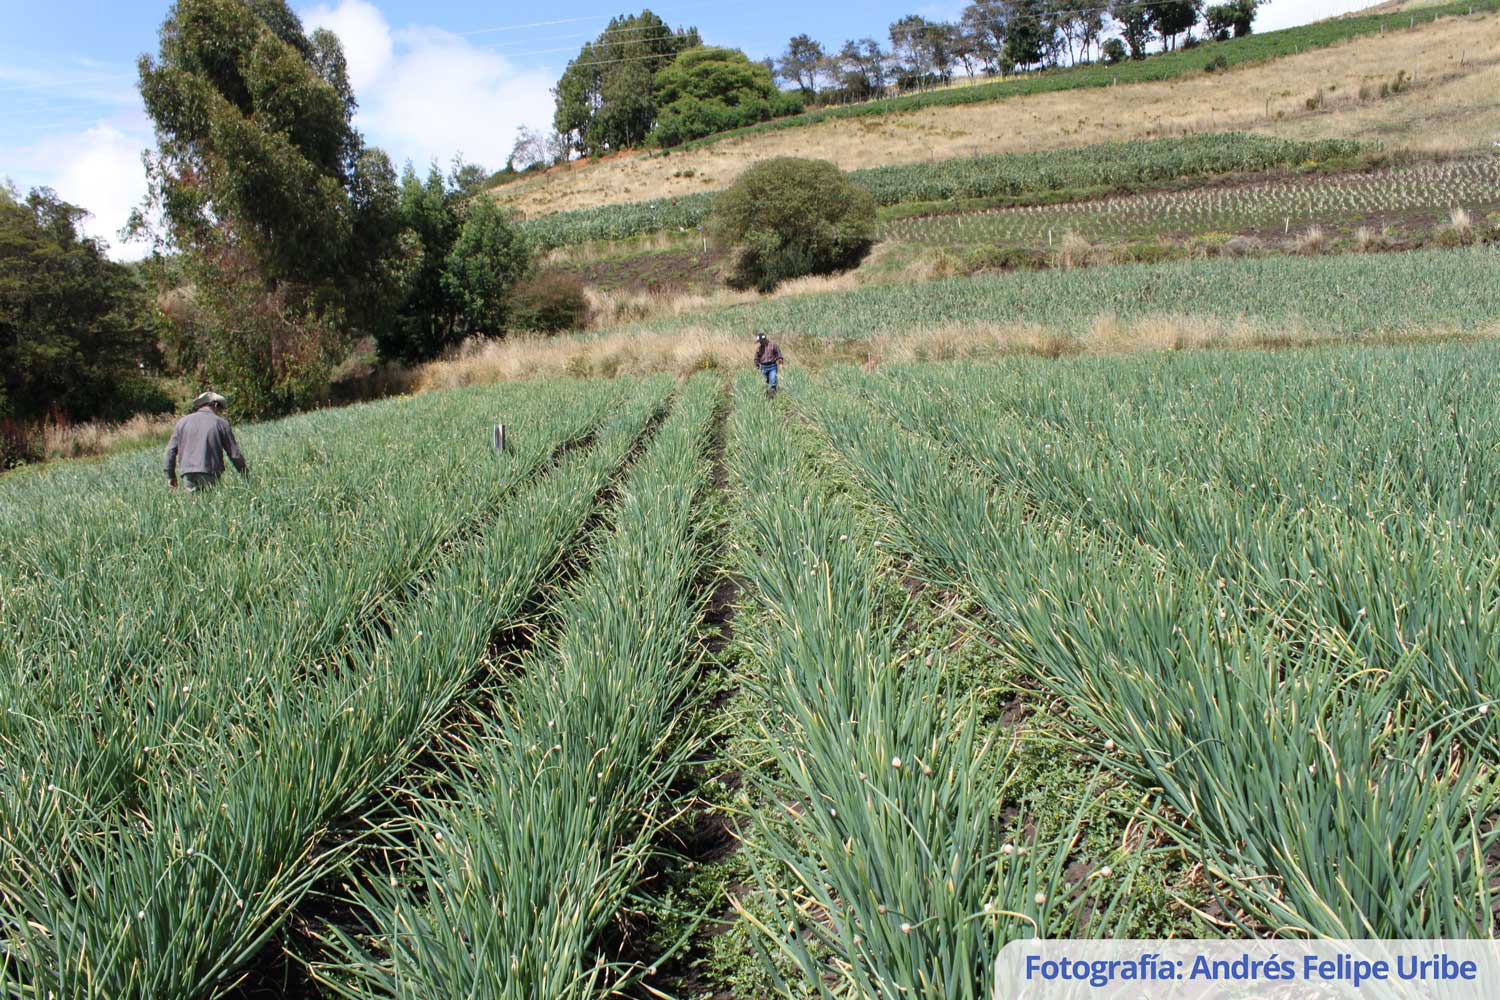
pixel 769 371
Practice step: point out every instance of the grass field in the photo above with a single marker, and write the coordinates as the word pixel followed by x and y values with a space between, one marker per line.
pixel 400 716
pixel 1451 105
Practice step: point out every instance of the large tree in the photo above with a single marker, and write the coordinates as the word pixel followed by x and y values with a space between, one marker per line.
pixel 284 219
pixel 604 98
pixel 801 63
pixel 1235 18
pixel 1135 21
pixel 985 22
pixel 1173 17
pixel 923 50
pixel 859 70
pixel 74 326
pixel 709 89
pixel 1029 33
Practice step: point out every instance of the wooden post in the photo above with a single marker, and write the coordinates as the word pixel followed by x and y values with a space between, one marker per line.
pixel 499 437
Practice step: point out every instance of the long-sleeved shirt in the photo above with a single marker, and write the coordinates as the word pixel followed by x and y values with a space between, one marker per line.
pixel 768 352
pixel 199 442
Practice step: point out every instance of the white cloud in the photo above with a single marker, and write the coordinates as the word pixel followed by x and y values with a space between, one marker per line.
pixel 97 168
pixel 365 35
pixel 1288 13
pixel 427 94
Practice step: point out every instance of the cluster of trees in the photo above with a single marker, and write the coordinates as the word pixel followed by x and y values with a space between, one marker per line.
pixel 642 81
pixel 76 331
pixel 999 37
pixel 283 236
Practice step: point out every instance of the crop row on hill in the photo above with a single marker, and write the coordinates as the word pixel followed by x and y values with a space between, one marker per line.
pixel 1015 177
pixel 1353 295
pixel 1163 66
pixel 1432 189
pixel 1264 590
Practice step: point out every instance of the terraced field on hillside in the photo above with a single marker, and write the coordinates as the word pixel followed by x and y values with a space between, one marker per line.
pixel 1317 93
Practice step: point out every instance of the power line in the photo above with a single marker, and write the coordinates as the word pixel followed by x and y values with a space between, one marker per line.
pixel 57 84
pixel 587 17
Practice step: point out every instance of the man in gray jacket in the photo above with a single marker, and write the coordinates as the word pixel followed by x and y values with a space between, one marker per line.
pixel 199 443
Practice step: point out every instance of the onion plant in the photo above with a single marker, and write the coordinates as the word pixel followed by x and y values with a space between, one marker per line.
pixel 542 820
pixel 883 849
pixel 157 864
pixel 1333 765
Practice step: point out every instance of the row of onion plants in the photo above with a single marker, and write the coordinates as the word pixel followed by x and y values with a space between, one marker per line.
pixel 880 850
pixel 522 849
pixel 1323 798
pixel 159 869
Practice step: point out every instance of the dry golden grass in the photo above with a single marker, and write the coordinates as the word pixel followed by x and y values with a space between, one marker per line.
pixel 1453 104
pixel 608 309
pixel 630 354
pixel 64 440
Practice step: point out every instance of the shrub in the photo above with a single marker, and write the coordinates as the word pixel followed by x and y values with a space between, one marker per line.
pixel 1312 242
pixel 787 217
pixel 20 443
pixel 551 302
pixel 1002 258
pixel 1114 52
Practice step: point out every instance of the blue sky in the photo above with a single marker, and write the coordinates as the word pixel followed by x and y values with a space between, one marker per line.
pixel 433 80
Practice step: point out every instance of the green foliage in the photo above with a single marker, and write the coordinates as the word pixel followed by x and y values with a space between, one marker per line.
pixel 541 826
pixel 1172 17
pixel 489 255
pixel 1115 52
pixel 604 98
pixel 74 326
pixel 1307 477
pixel 786 217
pixel 264 186
pixel 551 302
pixel 1018 178
pixel 285 653
pixel 1232 19
pixel 707 90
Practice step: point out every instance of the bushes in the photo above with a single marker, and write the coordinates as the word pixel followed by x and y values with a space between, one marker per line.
pixel 549 303
pixel 787 217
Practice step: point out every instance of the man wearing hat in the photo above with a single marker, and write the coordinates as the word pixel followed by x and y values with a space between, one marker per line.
pixel 767 359
pixel 199 443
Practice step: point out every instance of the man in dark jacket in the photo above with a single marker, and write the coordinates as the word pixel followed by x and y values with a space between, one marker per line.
pixel 768 359
pixel 199 443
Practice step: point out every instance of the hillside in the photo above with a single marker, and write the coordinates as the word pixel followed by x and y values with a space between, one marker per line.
pixel 1453 104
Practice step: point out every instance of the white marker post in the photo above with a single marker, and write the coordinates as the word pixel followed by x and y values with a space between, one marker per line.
pixel 499 438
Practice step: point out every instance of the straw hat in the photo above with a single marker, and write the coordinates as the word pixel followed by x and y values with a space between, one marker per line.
pixel 206 399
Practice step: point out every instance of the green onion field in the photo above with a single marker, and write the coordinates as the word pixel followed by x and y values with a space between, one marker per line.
pixel 403 716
